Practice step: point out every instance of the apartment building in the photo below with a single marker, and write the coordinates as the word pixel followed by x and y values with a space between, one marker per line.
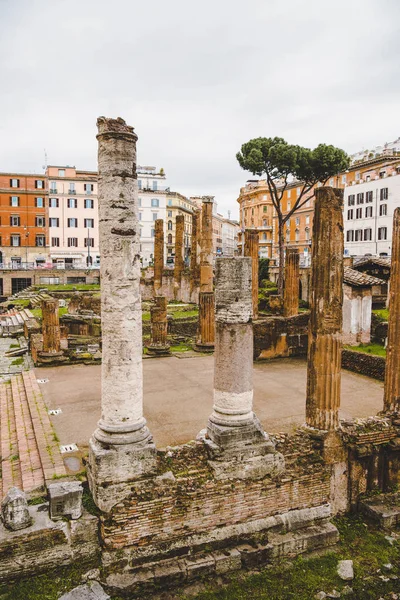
pixel 73 219
pixel 152 206
pixel 23 220
pixel 177 204
pixel 230 232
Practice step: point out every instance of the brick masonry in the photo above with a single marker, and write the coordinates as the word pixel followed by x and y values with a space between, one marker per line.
pixel 364 364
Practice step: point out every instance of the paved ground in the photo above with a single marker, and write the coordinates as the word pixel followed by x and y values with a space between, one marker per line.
pixel 178 397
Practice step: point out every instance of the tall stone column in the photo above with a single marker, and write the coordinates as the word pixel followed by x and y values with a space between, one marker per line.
pixel 179 264
pixel 158 255
pixel 292 277
pixel 50 326
pixel 251 247
pixel 233 428
pixel 159 327
pixel 391 400
pixel 325 329
pixel 206 334
pixel 121 449
pixel 195 252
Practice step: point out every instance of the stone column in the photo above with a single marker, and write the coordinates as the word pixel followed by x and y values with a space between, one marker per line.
pixel 179 264
pixel 233 426
pixel 325 329
pixel 292 277
pixel 206 334
pixel 159 326
pixel 50 326
pixel 158 255
pixel 251 247
pixel 121 449
pixel 194 255
pixel 392 373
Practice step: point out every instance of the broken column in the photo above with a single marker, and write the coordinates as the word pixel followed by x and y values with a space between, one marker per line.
pixel 233 430
pixel 292 275
pixel 325 329
pixel 251 247
pixel 206 333
pixel 159 345
pixel 179 264
pixel 121 448
pixel 158 254
pixel 15 510
pixel 50 326
pixel 392 373
pixel 195 252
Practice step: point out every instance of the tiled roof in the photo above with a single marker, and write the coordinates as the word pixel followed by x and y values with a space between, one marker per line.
pixel 382 261
pixel 353 277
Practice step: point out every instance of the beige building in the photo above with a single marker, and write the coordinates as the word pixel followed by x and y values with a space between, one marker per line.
pixel 177 204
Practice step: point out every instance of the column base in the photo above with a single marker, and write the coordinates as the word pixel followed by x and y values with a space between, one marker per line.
pixel 158 350
pixel 51 358
pixel 113 467
pixel 241 450
pixel 200 347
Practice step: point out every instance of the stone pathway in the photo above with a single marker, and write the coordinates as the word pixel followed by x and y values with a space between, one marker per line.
pixel 30 453
pixel 7 367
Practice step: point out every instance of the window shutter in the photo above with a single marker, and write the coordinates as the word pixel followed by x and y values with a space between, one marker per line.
pixel 17 182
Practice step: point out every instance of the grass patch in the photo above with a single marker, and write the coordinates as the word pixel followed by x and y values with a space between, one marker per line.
pixel 37 313
pixel 382 314
pixel 88 502
pixel 37 500
pixel 62 311
pixel 146 315
pixel 375 349
pixel 66 287
pixel 18 361
pixel 181 348
pixel 14 346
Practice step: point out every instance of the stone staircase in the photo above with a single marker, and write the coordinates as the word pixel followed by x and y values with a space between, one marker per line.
pixel 13 320
pixel 30 454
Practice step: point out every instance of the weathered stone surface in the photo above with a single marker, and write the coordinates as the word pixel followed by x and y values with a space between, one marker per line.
pixel 206 334
pixel 159 326
pixel 158 254
pixel 325 346
pixel 383 509
pixel 14 509
pixel 345 570
pixel 50 326
pixel 179 263
pixel 303 540
pixel 195 251
pixel 88 591
pixel 391 399
pixel 251 249
pixel 292 277
pixel 65 499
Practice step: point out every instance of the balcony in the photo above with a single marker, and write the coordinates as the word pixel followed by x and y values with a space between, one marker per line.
pixel 53 191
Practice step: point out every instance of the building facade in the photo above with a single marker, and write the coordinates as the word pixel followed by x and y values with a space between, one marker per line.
pixel 177 204
pixel 73 219
pixel 230 232
pixel 152 206
pixel 23 220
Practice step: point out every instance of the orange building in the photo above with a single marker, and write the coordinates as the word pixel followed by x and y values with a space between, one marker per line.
pixel 257 211
pixel 23 219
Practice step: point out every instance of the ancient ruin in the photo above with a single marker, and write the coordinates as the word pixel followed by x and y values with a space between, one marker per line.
pixel 159 345
pixel 158 254
pixel 392 375
pixel 195 250
pixel 179 248
pixel 206 334
pixel 251 249
pixel 291 290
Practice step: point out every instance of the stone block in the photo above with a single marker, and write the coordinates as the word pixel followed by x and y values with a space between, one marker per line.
pixel 383 509
pixel 253 556
pixel 303 540
pixel 15 510
pixel 88 591
pixel 199 565
pixel 227 560
pixel 65 500
pixel 169 572
pixel 345 570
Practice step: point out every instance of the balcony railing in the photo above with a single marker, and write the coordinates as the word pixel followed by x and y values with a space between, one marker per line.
pixel 30 266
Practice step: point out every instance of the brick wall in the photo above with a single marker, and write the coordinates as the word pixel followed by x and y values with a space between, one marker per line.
pixel 365 364
pixel 279 336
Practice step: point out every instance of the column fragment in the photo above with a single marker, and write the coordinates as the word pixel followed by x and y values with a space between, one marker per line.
pixel 325 329
pixel 50 326
pixel 292 276
pixel 392 373
pixel 195 251
pixel 179 235
pixel 251 248
pixel 158 255
pixel 159 327
pixel 206 336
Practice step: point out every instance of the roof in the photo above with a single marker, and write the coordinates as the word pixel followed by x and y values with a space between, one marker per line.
pixel 382 261
pixel 353 277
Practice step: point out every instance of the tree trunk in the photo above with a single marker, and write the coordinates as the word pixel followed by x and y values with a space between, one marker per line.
pixel 281 242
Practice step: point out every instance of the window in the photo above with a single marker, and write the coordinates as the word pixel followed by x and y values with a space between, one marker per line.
pixel 53 202
pixel 384 194
pixel 40 221
pixel 264 222
pixel 359 213
pixel 88 203
pixel 89 223
pixel 358 176
pixel 382 233
pixel 367 235
pixel 155 217
pixel 72 189
pixel 72 203
pixel 343 178
pixel 14 183
pixel 139 182
pixel 289 205
pixel 369 196
pixel 53 187
pixel 288 193
pixel 350 214
pixel 297 220
pixel 170 238
pixel 72 242
pixel 15 240
pixel 39 184
pixel 169 225
pixel 296 235
pixel 61 172
pixel 170 213
pixel 351 200
pixel 54 222
pixel 350 235
pixel 360 198
pixel 14 201
pixel 155 202
pixel 359 235
pixel 89 242
pixel 72 222
pixel 155 183
pixel 15 221
pixel 264 208
pixel 152 233
pixel 307 219
pixel 55 241
pixel 383 210
pixel 39 202
pixel 40 241
pixel 298 192
pixel 368 211
pixel 264 236
pixel 140 216
pixel 331 182
pixel 88 187
pixel 307 233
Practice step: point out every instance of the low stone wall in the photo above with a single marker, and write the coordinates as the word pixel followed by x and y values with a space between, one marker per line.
pixel 364 364
pixel 84 301
pixel 167 288
pixel 276 336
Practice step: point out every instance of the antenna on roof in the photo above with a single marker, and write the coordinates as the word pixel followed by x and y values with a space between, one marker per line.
pixel 45 160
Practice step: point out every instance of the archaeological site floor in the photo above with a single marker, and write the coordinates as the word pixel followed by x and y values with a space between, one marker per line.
pixel 178 397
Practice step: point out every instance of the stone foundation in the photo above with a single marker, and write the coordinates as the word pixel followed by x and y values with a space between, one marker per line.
pixel 364 364
pixel 277 337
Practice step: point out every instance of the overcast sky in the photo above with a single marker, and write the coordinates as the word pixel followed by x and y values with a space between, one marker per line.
pixel 196 79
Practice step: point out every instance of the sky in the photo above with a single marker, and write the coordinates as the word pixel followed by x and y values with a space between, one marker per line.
pixel 196 80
